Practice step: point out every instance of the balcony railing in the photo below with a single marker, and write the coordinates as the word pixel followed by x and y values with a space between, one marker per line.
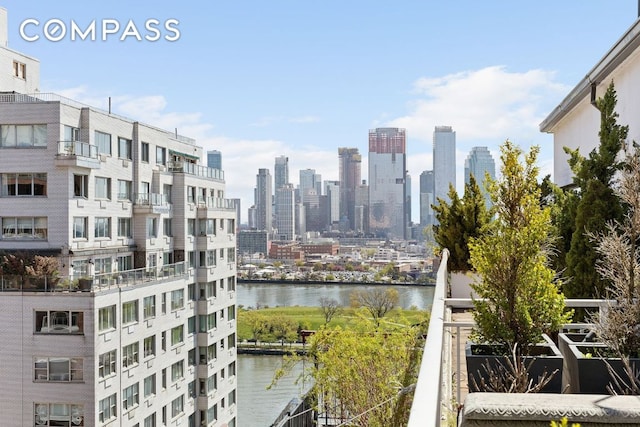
pixel 197 170
pixel 17 283
pixel 216 203
pixel 77 148
pixel 434 391
pixel 151 199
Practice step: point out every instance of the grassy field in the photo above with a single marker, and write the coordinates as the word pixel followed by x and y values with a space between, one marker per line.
pixel 312 317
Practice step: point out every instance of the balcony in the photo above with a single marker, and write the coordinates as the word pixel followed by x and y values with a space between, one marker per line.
pixel 76 153
pixel 439 391
pixel 208 204
pixel 196 170
pixel 151 203
pixel 119 279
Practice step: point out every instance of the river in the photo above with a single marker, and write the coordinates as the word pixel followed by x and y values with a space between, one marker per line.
pixel 259 407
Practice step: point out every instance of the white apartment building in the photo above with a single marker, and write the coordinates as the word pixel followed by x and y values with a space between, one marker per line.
pixel 140 328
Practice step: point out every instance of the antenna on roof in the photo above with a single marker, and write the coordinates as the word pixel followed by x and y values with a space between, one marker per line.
pixel 177 128
pixel 110 99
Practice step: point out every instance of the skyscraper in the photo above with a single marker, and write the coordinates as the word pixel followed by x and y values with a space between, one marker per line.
pixel 263 200
pixel 349 165
pixel 332 190
pixel 214 159
pixel 444 161
pixel 281 172
pixel 426 198
pixel 479 163
pixel 310 183
pixel 286 208
pixel 387 179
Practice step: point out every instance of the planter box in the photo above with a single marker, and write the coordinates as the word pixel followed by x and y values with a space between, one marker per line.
pixel 460 284
pixel 545 357
pixel 586 373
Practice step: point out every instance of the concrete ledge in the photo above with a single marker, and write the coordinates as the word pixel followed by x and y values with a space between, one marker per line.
pixel 511 409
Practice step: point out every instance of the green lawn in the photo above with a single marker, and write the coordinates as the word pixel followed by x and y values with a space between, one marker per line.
pixel 312 317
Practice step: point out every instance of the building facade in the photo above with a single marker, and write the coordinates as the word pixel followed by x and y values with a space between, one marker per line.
pixel 480 164
pixel 139 329
pixel 444 161
pixel 350 175
pixel 214 159
pixel 263 200
pixel 426 198
pixel 387 182
pixel 286 217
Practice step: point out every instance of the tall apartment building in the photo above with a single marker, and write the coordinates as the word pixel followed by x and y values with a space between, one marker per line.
pixel 444 161
pixel 286 217
pixel 139 330
pixel 350 175
pixel 332 190
pixel 281 172
pixel 263 200
pixel 214 159
pixel 426 198
pixel 480 163
pixel 387 178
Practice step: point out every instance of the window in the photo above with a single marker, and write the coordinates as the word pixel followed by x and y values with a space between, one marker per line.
pixel 103 188
pixel 191 227
pixel 167 227
pixel 231 281
pixel 232 397
pixel 24 228
pixel 164 378
pixel 125 262
pixel 212 413
pixel 103 142
pixel 177 299
pixel 107 364
pixel 191 357
pixel 177 371
pixel 231 369
pixel 166 192
pixel 124 189
pixel 124 227
pixel 191 290
pixel 81 186
pixel 177 407
pixel 231 312
pixel 59 322
pixel 177 335
pixel 63 369
pixel 152 227
pixel 163 340
pixel 71 134
pixel 191 325
pixel 231 254
pixel 191 194
pixel 19 136
pixel 130 397
pixel 107 408
pixel 149 304
pixel 80 226
pixel 231 226
pixel 150 385
pixel 161 156
pixel 231 341
pixel 212 382
pixel 191 389
pixel 144 152
pixel 150 346
pixel 107 318
pixel 124 148
pixel 150 421
pixel 130 355
pixel 23 184
pixel 103 227
pixel 207 226
pixel 129 312
pixel 20 70
pixel 102 265
pixel 145 189
pixel 207 322
pixel 58 414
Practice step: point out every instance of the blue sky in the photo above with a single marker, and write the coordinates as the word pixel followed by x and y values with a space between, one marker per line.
pixel 259 79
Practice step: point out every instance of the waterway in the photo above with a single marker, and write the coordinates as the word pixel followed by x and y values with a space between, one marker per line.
pixel 259 407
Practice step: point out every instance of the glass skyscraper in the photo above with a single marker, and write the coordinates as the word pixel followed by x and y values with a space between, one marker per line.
pixel 444 161
pixel 479 163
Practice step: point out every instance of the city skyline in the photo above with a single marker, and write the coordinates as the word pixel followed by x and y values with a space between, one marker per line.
pixel 496 80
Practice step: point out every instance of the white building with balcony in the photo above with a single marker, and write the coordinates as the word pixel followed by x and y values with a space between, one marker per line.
pixel 140 328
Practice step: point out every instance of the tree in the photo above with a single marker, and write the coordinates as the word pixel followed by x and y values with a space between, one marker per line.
pixel 329 308
pixel 364 376
pixel 518 294
pixel 598 202
pixel 258 325
pixel 459 221
pixel 378 302
pixel 283 328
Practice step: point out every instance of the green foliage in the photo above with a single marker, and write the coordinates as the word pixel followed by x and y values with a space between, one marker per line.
pixel 368 370
pixel 519 297
pixel 598 202
pixel 377 301
pixel 564 422
pixel 459 221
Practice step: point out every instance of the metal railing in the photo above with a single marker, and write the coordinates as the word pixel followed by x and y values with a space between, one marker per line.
pixel 19 283
pixel 434 387
pixel 150 199
pixel 195 169
pixel 77 148
pixel 216 203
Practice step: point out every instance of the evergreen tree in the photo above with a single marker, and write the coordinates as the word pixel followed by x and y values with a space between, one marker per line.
pixel 598 204
pixel 459 221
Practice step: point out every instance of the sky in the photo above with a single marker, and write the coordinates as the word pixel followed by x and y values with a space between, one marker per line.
pixel 259 79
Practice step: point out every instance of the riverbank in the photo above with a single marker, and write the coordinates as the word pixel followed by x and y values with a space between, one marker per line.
pixel 330 282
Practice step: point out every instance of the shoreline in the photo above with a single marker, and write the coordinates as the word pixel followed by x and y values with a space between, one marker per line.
pixel 322 282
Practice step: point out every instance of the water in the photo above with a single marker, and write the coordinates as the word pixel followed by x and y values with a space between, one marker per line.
pixel 259 407
pixel 291 294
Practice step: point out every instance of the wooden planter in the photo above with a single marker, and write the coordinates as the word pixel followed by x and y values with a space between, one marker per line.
pixel 545 357
pixel 587 373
